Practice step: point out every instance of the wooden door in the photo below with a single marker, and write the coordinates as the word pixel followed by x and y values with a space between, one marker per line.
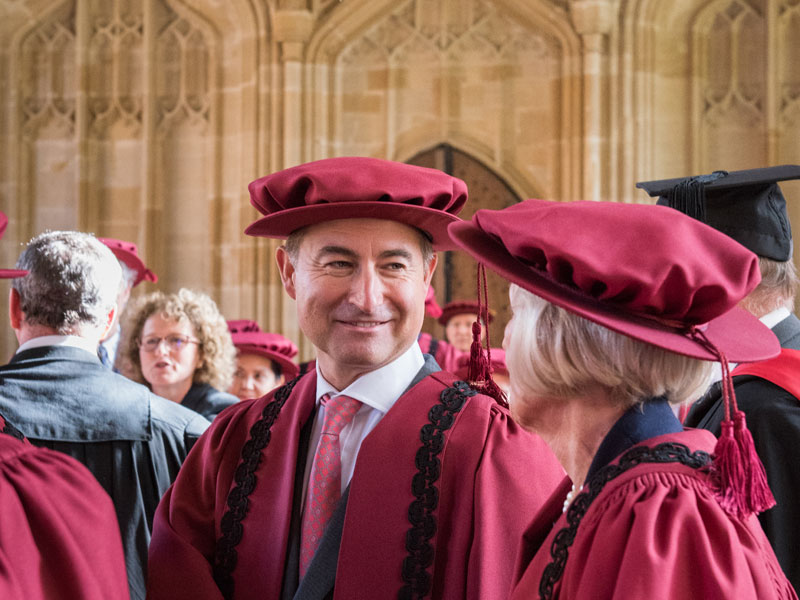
pixel 455 278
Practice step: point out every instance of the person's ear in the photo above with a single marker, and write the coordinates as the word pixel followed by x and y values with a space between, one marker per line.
pixel 15 315
pixel 287 271
pixel 431 269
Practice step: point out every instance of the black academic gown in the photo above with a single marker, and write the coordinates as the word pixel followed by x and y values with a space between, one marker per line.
pixel 773 417
pixel 131 440
pixel 207 400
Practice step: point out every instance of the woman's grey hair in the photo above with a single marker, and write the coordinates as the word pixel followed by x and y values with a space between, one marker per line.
pixel 73 280
pixel 554 353
pixel 217 352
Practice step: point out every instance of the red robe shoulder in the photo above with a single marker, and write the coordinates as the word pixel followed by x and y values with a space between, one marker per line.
pixel 59 536
pixel 437 457
pixel 656 531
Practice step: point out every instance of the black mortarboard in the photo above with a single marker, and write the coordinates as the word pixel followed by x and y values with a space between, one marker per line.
pixel 746 205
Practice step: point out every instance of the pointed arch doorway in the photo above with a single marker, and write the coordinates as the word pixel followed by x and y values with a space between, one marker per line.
pixel 455 278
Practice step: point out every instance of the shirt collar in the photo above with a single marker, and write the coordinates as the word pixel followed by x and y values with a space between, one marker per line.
pixel 380 388
pixel 60 340
pixel 776 316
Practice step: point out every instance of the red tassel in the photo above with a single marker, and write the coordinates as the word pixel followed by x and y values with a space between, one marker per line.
pixel 728 467
pixel 478 364
pixel 479 371
pixel 742 478
pixel 759 496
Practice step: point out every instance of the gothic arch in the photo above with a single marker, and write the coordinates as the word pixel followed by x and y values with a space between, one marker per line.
pixel 532 137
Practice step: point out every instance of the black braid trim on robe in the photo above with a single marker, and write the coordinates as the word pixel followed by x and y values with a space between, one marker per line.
pixel 225 556
pixel 420 513
pixel 669 452
pixel 9 429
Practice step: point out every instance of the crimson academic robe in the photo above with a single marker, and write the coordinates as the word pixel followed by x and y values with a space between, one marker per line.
pixel 433 503
pixel 59 537
pixel 655 530
pixel 447 356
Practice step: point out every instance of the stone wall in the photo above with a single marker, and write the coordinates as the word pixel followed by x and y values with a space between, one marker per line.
pixel 146 119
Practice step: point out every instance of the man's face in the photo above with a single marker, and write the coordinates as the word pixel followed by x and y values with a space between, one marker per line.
pixel 458 331
pixel 360 286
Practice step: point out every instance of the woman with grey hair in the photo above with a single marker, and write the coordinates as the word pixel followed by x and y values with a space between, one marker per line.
pixel 179 346
pixel 617 312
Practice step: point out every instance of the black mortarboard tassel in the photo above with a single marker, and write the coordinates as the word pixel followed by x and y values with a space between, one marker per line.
pixel 689 196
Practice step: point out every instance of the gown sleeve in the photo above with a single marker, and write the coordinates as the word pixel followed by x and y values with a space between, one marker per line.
pixel 185 527
pixel 59 536
pixel 663 536
pixel 517 474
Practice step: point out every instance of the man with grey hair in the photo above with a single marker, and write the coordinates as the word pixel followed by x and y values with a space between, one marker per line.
pixel 749 207
pixel 60 396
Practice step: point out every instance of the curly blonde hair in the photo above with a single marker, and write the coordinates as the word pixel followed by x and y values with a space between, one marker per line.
pixel 217 352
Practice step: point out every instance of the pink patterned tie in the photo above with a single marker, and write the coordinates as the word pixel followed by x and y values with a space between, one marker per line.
pixel 325 480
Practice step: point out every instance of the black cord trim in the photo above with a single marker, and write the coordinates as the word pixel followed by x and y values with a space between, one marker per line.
pixel 669 452
pixel 225 556
pixel 420 513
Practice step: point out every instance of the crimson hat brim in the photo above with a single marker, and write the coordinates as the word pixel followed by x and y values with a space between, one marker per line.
pixel 288 368
pixel 432 222
pixel 737 333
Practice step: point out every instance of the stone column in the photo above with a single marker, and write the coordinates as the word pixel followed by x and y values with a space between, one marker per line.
pixel 593 20
pixel 292 29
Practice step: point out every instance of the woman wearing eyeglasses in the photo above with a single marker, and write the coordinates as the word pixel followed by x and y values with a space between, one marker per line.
pixel 179 346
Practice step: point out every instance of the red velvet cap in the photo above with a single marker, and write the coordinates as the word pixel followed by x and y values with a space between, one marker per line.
pixel 128 253
pixel 249 339
pixel 431 306
pixel 357 188
pixel 8 273
pixel 645 271
pixel 462 307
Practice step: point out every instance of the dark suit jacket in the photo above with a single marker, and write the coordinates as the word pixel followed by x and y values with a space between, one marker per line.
pixel 207 400
pixel 773 417
pixel 131 440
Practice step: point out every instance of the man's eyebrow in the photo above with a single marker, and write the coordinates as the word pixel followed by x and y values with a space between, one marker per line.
pixel 398 253
pixel 344 251
pixel 340 250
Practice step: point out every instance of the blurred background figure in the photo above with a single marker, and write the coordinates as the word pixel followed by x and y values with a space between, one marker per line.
pixel 457 318
pixel 263 360
pixel 56 391
pixel 179 346
pixel 134 272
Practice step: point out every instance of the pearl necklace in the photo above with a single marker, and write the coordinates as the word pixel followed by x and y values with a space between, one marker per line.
pixel 571 496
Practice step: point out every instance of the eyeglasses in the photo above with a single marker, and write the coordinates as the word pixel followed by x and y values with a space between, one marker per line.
pixel 175 343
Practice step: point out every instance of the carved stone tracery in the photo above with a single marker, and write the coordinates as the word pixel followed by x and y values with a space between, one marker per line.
pixel 116 65
pixel 48 84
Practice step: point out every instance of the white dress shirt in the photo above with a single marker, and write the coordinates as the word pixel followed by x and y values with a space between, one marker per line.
pixel 377 391
pixel 60 340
